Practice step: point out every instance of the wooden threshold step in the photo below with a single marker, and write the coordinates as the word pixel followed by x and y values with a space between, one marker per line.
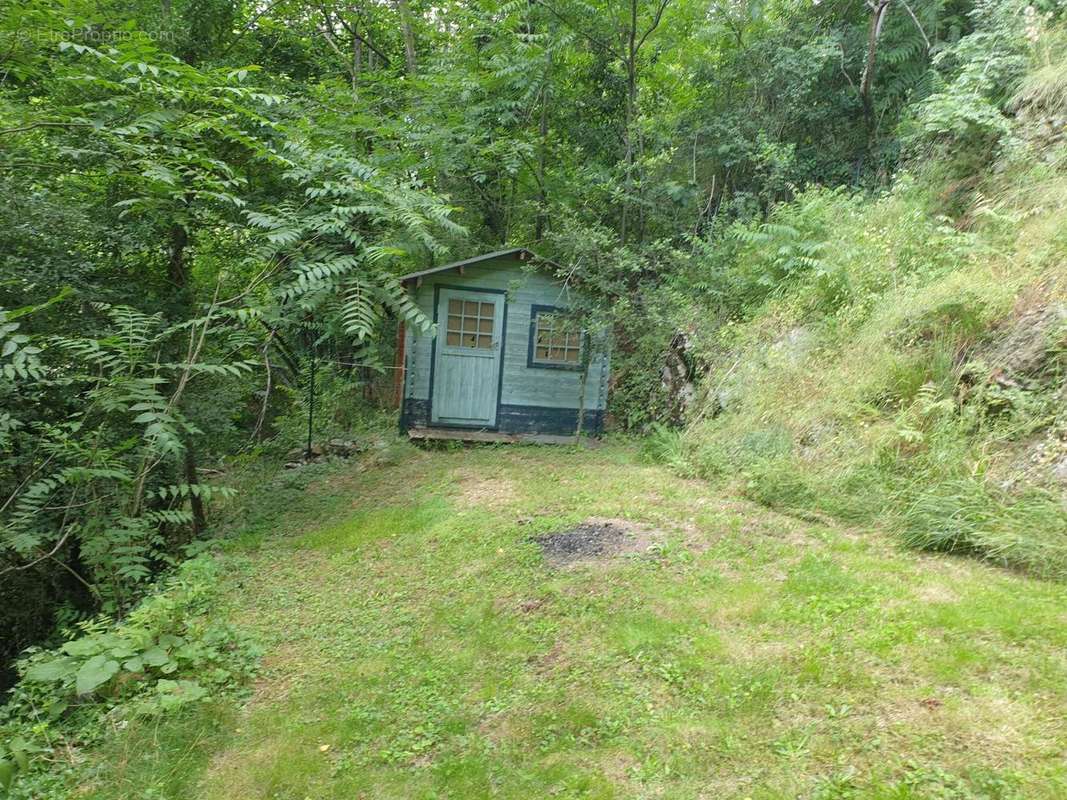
pixel 461 435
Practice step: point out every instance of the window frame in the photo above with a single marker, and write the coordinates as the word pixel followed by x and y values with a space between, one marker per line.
pixel 478 333
pixel 532 362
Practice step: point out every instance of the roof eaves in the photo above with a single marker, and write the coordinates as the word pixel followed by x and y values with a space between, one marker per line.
pixel 474 260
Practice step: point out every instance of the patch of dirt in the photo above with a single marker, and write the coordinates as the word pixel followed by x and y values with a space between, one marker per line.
pixel 546 663
pixel 937 593
pixel 596 540
pixel 280 673
pixel 488 493
pixel 526 606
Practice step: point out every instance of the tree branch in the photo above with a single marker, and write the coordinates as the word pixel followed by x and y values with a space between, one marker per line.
pixel 352 30
pixel 31 126
pixel 574 27
pixel 655 24
pixel 917 24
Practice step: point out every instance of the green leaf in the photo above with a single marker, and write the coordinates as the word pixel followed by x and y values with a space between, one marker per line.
pixel 50 671
pixel 155 657
pixel 122 651
pixel 86 646
pixel 133 665
pixel 7 774
pixel 19 752
pixel 95 672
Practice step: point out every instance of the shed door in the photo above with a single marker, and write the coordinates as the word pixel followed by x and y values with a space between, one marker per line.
pixel 467 369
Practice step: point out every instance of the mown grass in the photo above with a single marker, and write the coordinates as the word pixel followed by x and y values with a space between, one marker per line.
pixel 418 646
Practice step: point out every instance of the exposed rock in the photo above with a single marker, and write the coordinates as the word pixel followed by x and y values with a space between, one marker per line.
pixel 1028 344
pixel 1059 470
pixel 793 347
pixel 344 447
pixel 677 376
pixel 338 448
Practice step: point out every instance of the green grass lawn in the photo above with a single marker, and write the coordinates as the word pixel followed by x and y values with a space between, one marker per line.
pixel 418 646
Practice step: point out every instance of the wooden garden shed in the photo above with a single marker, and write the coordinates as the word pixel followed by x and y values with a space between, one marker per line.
pixel 504 362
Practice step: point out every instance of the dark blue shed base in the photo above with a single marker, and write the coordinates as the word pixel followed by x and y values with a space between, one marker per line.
pixel 514 419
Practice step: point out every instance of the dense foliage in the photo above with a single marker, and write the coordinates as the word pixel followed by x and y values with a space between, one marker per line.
pixel 898 357
pixel 207 206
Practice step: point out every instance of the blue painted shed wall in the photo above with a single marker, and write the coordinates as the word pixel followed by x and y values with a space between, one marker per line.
pixel 528 395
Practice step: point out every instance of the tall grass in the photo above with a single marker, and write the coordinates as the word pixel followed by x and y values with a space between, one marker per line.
pixel 880 406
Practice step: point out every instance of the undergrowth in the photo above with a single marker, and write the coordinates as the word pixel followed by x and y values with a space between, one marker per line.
pixel 899 359
pixel 912 395
pixel 168 654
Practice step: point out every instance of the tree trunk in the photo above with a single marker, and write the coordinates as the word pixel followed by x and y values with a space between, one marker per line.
pixel 542 195
pixel 195 501
pixel 628 157
pixel 179 238
pixel 179 276
pixel 409 35
pixel 357 63
pixel 879 9
pixel 631 112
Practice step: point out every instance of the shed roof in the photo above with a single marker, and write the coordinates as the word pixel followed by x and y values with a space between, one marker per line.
pixel 519 253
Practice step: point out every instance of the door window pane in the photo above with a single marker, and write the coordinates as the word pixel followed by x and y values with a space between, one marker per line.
pixel 470 324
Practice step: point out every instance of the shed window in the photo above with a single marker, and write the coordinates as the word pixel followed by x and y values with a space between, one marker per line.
pixel 555 342
pixel 470 324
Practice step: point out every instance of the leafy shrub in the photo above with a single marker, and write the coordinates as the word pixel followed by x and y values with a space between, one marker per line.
pixel 165 655
pixel 341 410
pixel 975 78
pixel 790 248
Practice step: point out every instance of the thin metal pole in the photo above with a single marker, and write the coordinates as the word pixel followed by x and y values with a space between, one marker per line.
pixel 311 402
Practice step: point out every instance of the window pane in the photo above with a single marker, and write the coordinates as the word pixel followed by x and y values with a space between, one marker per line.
pixel 455 306
pixel 485 342
pixel 452 339
pixel 485 325
pixel 470 324
pixel 470 308
pixel 488 310
pixel 555 342
pixel 453 322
